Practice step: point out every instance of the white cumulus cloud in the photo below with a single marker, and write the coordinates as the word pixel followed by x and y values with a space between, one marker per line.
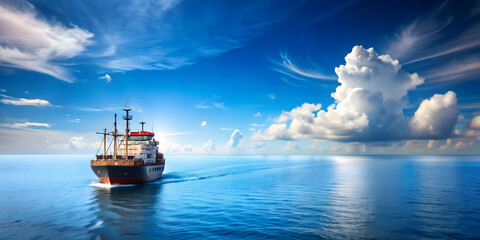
pixel 431 144
pixel 209 147
pixel 291 147
pixel 473 128
pixel 436 117
pixel 106 77
pixel 29 42
pixel 234 139
pixel 474 123
pixel 463 145
pixel 368 106
pixel 81 143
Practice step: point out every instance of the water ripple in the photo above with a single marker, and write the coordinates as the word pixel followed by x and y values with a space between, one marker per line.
pixel 237 197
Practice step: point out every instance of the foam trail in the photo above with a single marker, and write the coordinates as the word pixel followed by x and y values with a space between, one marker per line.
pixel 108 185
pixel 98 224
pixel 195 178
pixel 177 177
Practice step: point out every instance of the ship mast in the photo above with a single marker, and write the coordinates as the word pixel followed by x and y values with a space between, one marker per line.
pixel 104 143
pixel 143 123
pixel 115 139
pixel 127 129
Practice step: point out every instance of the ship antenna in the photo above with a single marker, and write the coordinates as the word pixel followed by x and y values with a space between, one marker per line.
pixel 127 129
pixel 142 125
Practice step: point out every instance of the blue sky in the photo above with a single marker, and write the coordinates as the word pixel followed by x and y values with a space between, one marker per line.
pixel 256 77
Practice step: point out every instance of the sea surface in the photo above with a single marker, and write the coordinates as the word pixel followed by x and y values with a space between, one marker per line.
pixel 246 197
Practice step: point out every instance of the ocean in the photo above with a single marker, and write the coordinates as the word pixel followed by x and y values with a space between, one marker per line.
pixel 240 197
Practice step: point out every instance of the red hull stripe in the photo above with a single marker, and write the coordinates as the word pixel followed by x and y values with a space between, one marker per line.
pixel 126 180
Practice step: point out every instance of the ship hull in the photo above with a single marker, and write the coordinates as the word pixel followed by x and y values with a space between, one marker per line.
pixel 128 174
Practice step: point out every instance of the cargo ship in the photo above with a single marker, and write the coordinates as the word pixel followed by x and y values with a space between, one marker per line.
pixel 135 160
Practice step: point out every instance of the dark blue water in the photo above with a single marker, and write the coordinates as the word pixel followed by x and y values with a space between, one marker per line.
pixel 231 197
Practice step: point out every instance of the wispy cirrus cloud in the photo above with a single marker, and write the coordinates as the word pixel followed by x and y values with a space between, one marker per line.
pixel 469 39
pixel 418 35
pixel 331 12
pixel 24 101
pixel 454 71
pixel 105 109
pixel 440 36
pixel 178 33
pixel 469 105
pixel 30 42
pixel 26 125
pixel 207 105
pixel 220 105
pixel 289 66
